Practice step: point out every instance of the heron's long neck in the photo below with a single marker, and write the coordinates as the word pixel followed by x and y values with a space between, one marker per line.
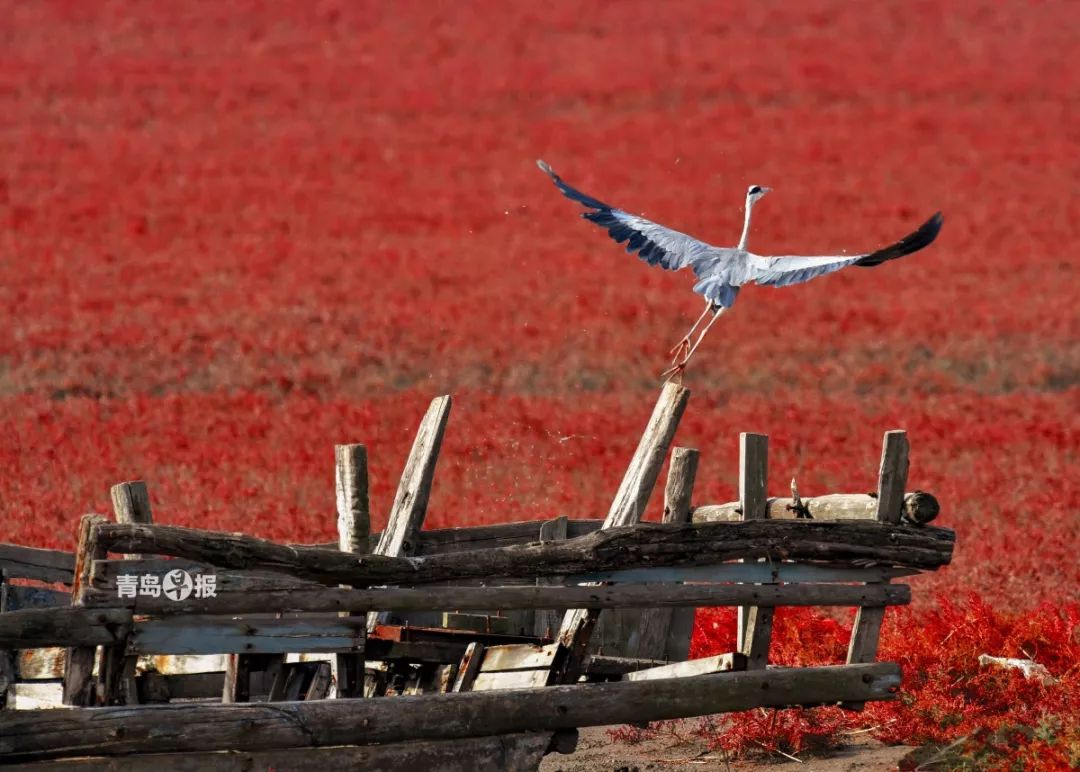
pixel 746 223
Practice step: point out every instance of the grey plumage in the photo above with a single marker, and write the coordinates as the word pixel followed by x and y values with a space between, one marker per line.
pixel 721 271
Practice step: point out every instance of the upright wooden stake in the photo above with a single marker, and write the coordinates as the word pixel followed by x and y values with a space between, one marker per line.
pixel 116 671
pixel 891 481
pixel 131 504
pixel 351 487
pixel 546 621
pixel 755 623
pixel 410 503
pixel 664 633
pixel 79 668
pixel 354 526
pixel 892 478
pixel 627 508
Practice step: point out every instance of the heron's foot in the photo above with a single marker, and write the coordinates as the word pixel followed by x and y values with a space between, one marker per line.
pixel 675 372
pixel 680 350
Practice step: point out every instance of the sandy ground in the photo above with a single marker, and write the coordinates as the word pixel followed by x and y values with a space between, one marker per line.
pixel 596 752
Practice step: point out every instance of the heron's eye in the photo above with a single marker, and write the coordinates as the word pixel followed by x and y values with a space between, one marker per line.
pixel 755 189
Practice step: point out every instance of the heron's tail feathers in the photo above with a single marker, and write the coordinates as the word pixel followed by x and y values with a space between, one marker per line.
pixel 571 193
pixel 913 242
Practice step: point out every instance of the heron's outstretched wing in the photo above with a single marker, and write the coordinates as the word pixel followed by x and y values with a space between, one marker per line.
pixel 654 243
pixel 783 271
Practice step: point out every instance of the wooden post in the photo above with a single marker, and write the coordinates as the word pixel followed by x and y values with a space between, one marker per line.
pixel 116 671
pixel 546 621
pixel 410 503
pixel 892 478
pixel 351 487
pixel 627 508
pixel 237 679
pixel 755 623
pixel 79 668
pixel 354 526
pixel 891 481
pixel 131 504
pixel 664 633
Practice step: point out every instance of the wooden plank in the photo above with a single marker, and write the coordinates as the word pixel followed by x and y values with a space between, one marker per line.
pixel 603 666
pixel 654 544
pixel 517 657
pixel 79 683
pixel 40 664
pixel 26 736
pixel 43 565
pixel 19 596
pixel 511 679
pixel 918 507
pixel 721 663
pixel 196 634
pixel 469 667
pixel 626 509
pixel 747 572
pixel 354 529
pixel 629 595
pixel 481 623
pixel 414 489
pixel 442 541
pixel 664 633
pixel 35 695
pixel 70 626
pixel 753 639
pixel 518 752
pixel 105 572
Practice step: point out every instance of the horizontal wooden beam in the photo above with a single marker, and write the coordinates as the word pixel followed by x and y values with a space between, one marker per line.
pixel 196 634
pixel 516 597
pixel 34 628
pixel 35 563
pixel 653 544
pixel 479 754
pixel 42 734
pixel 919 507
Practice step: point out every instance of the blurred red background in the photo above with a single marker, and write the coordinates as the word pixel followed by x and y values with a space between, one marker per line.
pixel 235 234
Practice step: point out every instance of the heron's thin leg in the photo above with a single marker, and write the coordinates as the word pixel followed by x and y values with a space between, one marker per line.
pixel 677 369
pixel 684 344
pixel 701 337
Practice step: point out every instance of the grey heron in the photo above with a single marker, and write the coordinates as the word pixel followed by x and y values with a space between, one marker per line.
pixel 722 271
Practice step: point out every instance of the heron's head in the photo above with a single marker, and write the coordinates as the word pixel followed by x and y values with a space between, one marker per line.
pixel 754 192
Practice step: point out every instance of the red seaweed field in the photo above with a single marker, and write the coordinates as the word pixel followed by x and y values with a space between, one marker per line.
pixel 234 234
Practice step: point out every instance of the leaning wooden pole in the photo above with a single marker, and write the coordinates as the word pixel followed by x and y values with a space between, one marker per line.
pixel 410 504
pixel 627 508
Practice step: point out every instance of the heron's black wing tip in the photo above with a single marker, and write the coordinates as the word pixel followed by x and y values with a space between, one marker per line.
pixel 913 242
pixel 572 193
